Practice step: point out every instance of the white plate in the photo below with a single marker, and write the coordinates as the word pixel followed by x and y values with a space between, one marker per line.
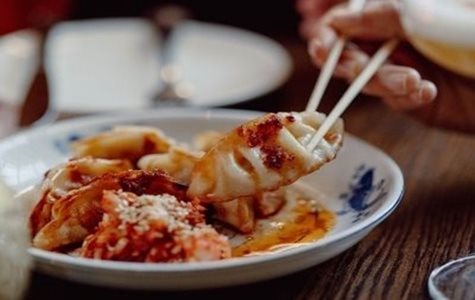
pixel 113 64
pixel 362 186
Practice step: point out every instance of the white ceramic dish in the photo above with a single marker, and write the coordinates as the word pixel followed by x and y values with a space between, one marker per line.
pixel 362 186
pixel 113 64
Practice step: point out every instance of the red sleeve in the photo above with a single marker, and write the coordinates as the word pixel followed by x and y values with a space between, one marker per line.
pixel 19 14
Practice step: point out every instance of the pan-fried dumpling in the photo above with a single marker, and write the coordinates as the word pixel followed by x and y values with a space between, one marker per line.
pixel 62 179
pixel 125 142
pixel 263 155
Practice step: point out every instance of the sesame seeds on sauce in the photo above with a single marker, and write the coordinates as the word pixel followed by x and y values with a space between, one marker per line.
pixel 153 228
pixel 139 211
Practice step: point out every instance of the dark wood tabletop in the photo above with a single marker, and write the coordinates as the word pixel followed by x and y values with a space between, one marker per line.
pixel 434 223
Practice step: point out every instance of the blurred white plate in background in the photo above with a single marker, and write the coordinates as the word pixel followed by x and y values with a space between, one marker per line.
pixel 113 64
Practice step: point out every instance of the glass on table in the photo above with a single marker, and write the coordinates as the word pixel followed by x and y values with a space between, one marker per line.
pixel 14 242
pixel 454 280
pixel 444 31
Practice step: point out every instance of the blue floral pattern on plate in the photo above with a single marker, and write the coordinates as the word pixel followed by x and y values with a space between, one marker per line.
pixel 63 145
pixel 363 193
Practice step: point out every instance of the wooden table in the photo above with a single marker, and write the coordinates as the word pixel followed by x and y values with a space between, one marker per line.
pixel 434 223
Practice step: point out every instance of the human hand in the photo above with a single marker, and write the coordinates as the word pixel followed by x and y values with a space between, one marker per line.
pixel 311 11
pixel 401 87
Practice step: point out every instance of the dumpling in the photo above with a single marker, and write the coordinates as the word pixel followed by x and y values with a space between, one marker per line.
pixel 77 214
pixel 62 179
pixel 125 142
pixel 263 155
pixel 178 162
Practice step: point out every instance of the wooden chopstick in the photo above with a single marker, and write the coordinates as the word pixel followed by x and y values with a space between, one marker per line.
pixel 330 64
pixel 356 86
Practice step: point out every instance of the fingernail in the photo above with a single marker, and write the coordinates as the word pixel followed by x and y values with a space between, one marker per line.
pixel 401 82
pixel 413 80
pixel 428 92
pixel 319 46
pixel 395 82
pixel 425 94
pixel 313 46
pixel 316 51
pixel 327 37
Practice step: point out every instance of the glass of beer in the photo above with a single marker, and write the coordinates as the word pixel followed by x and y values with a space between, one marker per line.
pixel 14 242
pixel 444 31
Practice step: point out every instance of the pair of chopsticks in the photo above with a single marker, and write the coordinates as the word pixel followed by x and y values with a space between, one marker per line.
pixel 356 86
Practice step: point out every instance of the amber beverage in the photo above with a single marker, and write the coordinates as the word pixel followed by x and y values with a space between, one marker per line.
pixel 444 31
pixel 14 241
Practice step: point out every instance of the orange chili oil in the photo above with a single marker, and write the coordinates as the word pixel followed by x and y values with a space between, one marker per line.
pixel 308 226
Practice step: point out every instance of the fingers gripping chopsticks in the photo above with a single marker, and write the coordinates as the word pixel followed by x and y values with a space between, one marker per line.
pixel 356 86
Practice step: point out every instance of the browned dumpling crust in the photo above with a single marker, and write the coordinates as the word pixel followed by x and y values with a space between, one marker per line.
pixel 123 142
pixel 263 155
pixel 65 177
pixel 77 214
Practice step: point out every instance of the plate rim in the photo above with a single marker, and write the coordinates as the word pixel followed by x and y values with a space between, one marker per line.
pixel 281 54
pixel 395 195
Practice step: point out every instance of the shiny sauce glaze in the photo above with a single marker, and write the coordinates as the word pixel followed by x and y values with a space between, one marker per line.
pixel 300 221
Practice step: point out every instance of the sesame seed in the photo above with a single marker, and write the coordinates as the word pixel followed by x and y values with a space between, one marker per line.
pixel 138 212
pixel 277 225
pixel 175 250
